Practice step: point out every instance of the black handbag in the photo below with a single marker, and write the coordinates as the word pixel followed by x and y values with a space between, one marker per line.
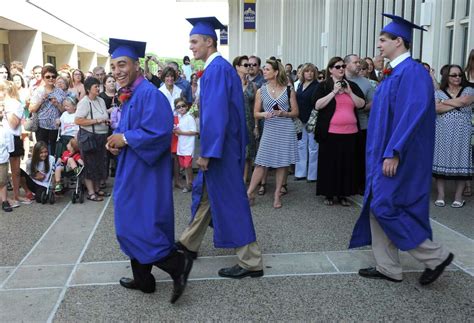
pixel 87 141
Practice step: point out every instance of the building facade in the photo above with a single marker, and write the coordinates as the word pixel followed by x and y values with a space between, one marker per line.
pixel 34 36
pixel 299 31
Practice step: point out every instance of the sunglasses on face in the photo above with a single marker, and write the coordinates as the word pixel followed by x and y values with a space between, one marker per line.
pixel 245 65
pixel 337 67
pixel 48 77
pixel 253 65
pixel 321 78
pixel 179 106
pixel 455 75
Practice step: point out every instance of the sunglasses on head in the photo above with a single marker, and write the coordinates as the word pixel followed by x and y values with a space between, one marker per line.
pixel 48 77
pixel 455 75
pixel 339 66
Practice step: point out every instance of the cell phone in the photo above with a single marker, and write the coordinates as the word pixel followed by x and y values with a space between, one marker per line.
pixel 276 107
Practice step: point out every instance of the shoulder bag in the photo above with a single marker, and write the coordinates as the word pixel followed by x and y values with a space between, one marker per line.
pixel 87 141
pixel 296 121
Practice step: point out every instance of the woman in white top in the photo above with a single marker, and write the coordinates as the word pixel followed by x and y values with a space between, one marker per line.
pixel 93 120
pixel 39 169
pixel 12 113
pixel 169 89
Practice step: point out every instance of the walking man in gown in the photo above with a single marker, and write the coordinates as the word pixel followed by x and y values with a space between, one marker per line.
pixel 143 197
pixel 399 156
pixel 219 193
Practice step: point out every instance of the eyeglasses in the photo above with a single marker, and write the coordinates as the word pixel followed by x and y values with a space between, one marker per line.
pixel 179 106
pixel 337 67
pixel 245 65
pixel 455 75
pixel 253 65
pixel 48 77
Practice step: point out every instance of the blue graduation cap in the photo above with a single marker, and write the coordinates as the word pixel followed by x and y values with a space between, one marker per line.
pixel 400 27
pixel 129 48
pixel 205 26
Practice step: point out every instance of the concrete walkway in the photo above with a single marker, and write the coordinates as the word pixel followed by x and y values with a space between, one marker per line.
pixel 37 288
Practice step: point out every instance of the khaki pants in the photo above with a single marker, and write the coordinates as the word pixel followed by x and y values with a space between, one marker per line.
pixel 250 256
pixel 429 253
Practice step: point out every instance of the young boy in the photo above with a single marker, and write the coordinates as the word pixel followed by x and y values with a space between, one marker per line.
pixel 186 131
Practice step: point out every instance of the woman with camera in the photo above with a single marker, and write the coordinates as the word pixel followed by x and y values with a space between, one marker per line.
pixel 93 120
pixel 336 131
pixel 47 101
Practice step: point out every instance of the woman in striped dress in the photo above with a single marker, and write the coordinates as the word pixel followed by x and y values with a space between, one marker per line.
pixel 278 146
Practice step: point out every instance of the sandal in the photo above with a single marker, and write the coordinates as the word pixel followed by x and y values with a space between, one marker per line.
pixel 344 201
pixel 94 197
pixel 467 191
pixel 102 193
pixel 439 203
pixel 284 189
pixel 457 204
pixel 263 189
pixel 328 201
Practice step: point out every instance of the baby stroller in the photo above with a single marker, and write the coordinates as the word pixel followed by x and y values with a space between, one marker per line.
pixel 48 194
pixel 77 194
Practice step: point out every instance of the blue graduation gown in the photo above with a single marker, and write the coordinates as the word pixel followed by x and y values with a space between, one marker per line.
pixel 402 122
pixel 223 139
pixel 143 197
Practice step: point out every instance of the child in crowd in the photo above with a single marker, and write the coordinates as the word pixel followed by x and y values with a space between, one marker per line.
pixel 186 131
pixel 4 157
pixel 38 170
pixel 70 161
pixel 115 116
pixel 69 128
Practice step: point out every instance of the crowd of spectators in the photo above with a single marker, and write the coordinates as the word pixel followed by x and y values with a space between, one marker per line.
pixel 309 121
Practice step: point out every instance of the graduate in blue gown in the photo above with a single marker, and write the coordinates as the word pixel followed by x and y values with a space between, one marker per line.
pixel 400 146
pixel 144 216
pixel 219 192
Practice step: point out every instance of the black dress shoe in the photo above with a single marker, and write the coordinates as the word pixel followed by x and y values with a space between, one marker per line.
pixel 239 272
pixel 180 246
pixel 430 275
pixel 180 280
pixel 128 283
pixel 373 273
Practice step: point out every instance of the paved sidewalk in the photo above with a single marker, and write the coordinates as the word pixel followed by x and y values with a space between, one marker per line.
pixel 67 269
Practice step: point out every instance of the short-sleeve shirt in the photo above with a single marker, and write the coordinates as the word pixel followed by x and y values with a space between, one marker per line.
pixel 99 111
pixel 47 112
pixel 368 91
pixel 186 143
pixel 68 124
pixel 41 168
pixel 13 107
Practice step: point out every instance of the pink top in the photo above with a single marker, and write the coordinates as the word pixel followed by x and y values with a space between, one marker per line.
pixel 344 119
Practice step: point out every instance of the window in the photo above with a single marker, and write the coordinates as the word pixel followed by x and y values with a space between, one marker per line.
pixel 468 7
pixel 450 44
pixel 453 6
pixel 51 60
pixel 465 35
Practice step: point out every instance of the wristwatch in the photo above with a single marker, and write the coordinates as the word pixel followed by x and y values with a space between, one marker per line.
pixel 124 139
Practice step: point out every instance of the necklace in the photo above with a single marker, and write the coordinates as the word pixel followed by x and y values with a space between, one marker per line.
pixel 273 90
pixel 453 93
